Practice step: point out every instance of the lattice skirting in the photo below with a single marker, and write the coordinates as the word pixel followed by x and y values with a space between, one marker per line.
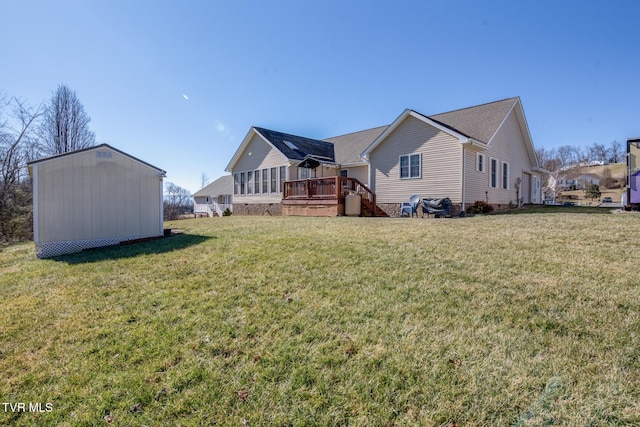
pixel 50 249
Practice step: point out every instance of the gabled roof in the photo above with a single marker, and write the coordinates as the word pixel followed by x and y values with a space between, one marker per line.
pixel 349 147
pixel 473 125
pixel 222 185
pixel 480 122
pixel 293 147
pixel 95 147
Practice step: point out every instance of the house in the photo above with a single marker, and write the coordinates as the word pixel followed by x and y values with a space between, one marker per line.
pixel 573 181
pixel 483 152
pixel 214 198
pixel 94 197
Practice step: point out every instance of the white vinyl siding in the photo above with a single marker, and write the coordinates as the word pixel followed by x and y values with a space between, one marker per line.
pixel 440 163
pixel 507 146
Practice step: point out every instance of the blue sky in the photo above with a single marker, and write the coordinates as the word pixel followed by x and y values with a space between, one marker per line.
pixel 179 83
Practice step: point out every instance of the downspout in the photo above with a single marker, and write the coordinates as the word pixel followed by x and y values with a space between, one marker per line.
pixel 464 166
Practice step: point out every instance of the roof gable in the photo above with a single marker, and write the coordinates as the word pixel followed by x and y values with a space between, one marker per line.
pixel 292 147
pixel 480 122
pixel 95 147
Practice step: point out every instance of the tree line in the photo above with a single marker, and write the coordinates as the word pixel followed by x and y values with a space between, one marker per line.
pixel 568 158
pixel 28 133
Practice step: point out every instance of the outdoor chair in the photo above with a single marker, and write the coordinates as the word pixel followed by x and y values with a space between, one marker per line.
pixel 437 207
pixel 411 207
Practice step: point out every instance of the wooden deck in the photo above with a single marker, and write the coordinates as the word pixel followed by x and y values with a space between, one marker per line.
pixel 326 197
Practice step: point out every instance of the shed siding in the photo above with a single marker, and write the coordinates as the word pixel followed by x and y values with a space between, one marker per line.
pixel 441 172
pixel 85 197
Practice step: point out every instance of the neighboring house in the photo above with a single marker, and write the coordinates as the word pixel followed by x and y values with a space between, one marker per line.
pixel 214 198
pixel 573 181
pixel 478 153
pixel 99 196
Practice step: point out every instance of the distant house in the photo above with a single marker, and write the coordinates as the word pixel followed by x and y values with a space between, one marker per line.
pixel 214 198
pixel 99 196
pixel 573 181
pixel 483 152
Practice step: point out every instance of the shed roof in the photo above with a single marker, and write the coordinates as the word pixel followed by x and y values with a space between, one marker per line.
pixel 95 147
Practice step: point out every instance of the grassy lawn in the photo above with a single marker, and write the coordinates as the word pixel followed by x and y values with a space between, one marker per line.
pixel 492 320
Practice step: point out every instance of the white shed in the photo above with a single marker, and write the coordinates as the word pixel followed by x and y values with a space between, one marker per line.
pixel 99 196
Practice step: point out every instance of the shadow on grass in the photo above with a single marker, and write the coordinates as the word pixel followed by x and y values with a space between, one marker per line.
pixel 560 209
pixel 159 246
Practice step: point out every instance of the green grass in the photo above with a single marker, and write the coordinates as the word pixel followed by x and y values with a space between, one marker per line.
pixel 491 320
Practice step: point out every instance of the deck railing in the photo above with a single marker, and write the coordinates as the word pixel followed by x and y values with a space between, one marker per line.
pixel 335 187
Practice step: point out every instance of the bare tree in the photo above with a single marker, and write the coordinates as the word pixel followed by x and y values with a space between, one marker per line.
pixel 17 146
pixel 177 201
pixel 66 124
pixel 615 152
pixel 204 180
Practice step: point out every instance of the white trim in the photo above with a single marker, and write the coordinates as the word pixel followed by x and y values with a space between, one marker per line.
pixel 464 162
pixel 502 177
pixel 491 160
pixel 36 228
pixel 161 231
pixel 409 156
pixel 484 163
pixel 506 116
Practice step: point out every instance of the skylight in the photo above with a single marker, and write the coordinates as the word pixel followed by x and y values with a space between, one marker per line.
pixel 291 145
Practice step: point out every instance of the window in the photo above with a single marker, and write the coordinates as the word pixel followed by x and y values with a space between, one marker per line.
pixel 256 181
pixel 344 173
pixel 236 183
pixel 494 173
pixel 410 166
pixel 274 179
pixel 480 162
pixel 265 180
pixel 242 182
pixel 249 182
pixel 505 176
pixel 283 177
pixel 304 173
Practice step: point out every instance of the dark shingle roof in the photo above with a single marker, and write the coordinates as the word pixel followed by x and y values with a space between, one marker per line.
pixel 297 147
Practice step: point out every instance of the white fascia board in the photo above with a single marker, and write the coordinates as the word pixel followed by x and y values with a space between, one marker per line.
pixel 245 143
